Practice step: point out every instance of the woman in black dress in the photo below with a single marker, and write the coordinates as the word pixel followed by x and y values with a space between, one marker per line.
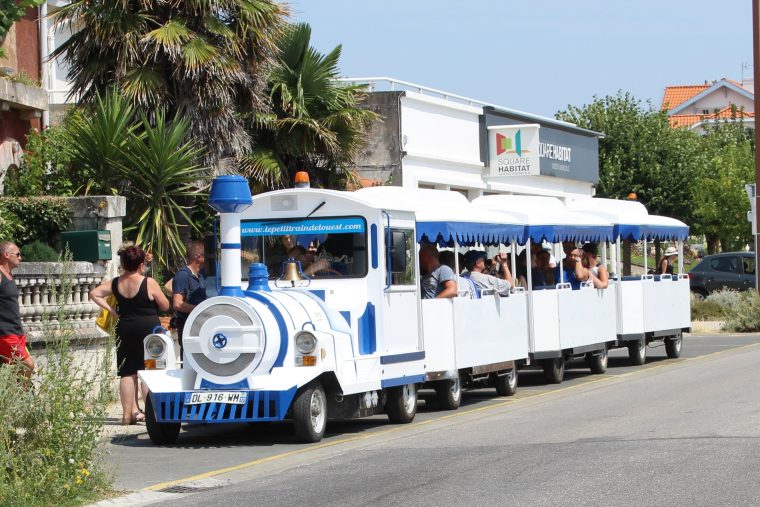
pixel 138 300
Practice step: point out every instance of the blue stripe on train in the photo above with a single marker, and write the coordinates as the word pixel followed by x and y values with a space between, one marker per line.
pixel 259 406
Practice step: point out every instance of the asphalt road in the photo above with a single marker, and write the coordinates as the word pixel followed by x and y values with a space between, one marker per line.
pixel 669 432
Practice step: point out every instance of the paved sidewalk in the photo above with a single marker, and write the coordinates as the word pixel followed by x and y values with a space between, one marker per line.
pixel 114 428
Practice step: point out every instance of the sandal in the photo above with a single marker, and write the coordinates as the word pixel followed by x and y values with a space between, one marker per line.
pixel 138 417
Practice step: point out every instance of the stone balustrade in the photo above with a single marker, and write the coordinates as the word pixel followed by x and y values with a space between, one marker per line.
pixel 48 290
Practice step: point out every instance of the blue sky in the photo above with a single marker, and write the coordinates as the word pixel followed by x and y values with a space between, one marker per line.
pixel 536 55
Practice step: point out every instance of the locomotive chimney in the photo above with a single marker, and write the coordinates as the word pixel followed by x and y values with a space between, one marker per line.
pixel 229 196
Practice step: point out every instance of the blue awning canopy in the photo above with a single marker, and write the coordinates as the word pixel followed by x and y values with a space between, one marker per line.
pixel 631 220
pixel 469 233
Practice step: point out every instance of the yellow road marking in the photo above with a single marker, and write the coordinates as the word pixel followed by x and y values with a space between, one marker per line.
pixel 460 413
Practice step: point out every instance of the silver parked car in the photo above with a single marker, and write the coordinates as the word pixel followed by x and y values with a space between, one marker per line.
pixel 730 270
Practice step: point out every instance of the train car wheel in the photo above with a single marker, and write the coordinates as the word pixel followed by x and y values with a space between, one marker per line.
pixel 597 363
pixel 506 385
pixel 159 433
pixel 310 413
pixel 449 393
pixel 401 403
pixel 637 352
pixel 673 346
pixel 554 370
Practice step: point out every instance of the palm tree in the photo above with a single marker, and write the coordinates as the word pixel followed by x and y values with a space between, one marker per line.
pixel 208 58
pixel 316 123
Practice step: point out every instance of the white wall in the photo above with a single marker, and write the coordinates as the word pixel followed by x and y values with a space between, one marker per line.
pixel 441 139
pixel 719 99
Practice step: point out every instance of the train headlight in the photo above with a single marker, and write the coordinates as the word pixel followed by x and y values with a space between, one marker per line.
pixel 306 342
pixel 155 346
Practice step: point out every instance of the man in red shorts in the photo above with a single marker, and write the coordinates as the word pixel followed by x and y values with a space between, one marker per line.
pixel 12 338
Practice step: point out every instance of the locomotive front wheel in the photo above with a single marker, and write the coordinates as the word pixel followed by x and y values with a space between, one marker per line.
pixel 506 385
pixel 449 393
pixel 554 370
pixel 673 346
pixel 159 433
pixel 597 362
pixel 637 352
pixel 401 403
pixel 310 412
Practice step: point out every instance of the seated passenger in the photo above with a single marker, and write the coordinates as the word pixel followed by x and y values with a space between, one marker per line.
pixel 546 265
pixel 437 280
pixel 589 269
pixel 464 284
pixel 665 266
pixel 475 263
pixel 537 277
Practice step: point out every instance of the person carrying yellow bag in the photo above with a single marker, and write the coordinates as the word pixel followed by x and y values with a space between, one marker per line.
pixel 107 320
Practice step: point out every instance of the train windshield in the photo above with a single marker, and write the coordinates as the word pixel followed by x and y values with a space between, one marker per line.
pixel 326 247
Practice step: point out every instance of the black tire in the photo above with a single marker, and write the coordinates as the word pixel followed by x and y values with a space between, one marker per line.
pixel 554 370
pixel 506 384
pixel 637 352
pixel 310 413
pixel 401 403
pixel 159 433
pixel 673 346
pixel 449 393
pixel 597 362
pixel 699 294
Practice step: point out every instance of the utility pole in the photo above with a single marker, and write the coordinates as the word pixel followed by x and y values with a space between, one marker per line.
pixel 756 83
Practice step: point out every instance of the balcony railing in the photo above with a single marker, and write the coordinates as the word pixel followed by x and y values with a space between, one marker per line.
pixel 49 291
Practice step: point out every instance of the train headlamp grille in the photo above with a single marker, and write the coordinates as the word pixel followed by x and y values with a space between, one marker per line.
pixel 305 342
pixel 155 346
pixel 223 309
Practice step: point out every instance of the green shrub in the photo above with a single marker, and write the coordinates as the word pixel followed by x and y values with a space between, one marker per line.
pixel 50 433
pixel 706 310
pixel 28 218
pixel 37 251
pixel 46 168
pixel 744 317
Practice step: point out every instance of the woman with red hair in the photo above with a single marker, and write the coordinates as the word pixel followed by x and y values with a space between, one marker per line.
pixel 139 299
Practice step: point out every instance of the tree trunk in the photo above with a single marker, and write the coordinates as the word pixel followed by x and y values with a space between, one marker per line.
pixel 713 243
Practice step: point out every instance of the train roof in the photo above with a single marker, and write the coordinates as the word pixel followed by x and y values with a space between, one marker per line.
pixel 548 218
pixel 444 217
pixel 631 220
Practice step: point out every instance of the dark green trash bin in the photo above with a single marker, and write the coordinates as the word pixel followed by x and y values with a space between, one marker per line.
pixel 88 245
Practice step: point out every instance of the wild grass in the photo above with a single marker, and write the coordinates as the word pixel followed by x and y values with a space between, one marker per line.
pixel 51 426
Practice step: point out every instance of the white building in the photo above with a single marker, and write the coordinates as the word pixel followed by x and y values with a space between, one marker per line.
pixel 434 139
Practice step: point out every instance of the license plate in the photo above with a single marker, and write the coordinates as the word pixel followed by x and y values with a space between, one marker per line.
pixel 234 398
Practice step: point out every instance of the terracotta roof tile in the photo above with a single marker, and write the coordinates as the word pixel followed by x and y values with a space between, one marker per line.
pixel 675 95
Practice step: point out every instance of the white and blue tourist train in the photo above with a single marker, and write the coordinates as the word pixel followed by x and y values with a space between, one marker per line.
pixel 329 322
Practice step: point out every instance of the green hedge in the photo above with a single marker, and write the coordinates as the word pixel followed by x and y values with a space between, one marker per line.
pixel 25 219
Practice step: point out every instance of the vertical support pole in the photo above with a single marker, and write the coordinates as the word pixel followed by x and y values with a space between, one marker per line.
pixel 756 73
pixel 646 256
pixel 456 260
pixel 529 293
pixel 44 64
pixel 513 259
pixel 680 256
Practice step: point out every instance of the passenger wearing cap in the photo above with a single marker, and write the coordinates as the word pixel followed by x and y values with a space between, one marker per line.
pixel 475 262
pixel 588 268
pixel 437 280
pixel 665 266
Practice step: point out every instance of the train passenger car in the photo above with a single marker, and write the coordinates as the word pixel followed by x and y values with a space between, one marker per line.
pixel 341 341
pixel 650 308
pixel 479 337
pixel 563 323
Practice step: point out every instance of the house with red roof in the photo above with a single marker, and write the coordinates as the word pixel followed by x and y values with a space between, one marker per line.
pixel 694 106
